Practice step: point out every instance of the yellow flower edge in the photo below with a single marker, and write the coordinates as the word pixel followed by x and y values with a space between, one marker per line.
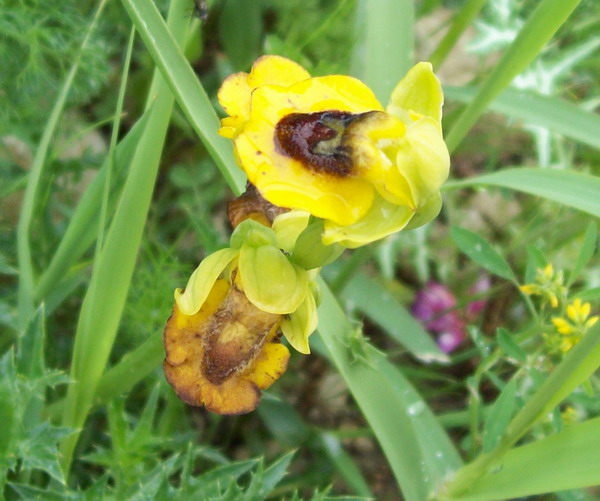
pixel 225 354
pixel 236 90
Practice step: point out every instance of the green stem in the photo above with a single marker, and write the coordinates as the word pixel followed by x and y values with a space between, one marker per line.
pixel 460 23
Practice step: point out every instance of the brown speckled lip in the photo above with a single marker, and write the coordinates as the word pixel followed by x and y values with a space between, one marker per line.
pixel 317 140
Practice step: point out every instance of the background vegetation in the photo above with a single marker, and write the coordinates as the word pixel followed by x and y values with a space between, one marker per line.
pixel 114 186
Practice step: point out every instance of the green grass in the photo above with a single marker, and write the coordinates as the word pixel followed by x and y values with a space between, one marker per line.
pixel 93 243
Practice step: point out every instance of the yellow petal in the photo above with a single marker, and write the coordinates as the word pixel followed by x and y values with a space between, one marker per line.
pixel 573 311
pixel 585 310
pixel 276 70
pixel 528 289
pixel 419 91
pixel 562 326
pixel 383 219
pixel 236 90
pixel 202 280
pixel 340 93
pixel 269 365
pixel 234 96
pixel 299 325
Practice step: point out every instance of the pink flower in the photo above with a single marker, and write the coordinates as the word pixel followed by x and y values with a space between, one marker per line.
pixel 435 307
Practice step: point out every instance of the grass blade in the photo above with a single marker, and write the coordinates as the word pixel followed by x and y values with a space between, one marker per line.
pixel 417 448
pixel 566 187
pixel 544 21
pixel 84 225
pixel 26 292
pixel 559 462
pixel 588 247
pixel 185 86
pixel 345 465
pixel 105 299
pixel 553 113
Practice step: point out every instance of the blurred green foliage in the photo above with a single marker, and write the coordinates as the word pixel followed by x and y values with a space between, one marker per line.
pixel 311 442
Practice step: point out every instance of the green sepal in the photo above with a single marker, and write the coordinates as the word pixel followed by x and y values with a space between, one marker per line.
pixel 383 219
pixel 252 233
pixel 270 281
pixel 419 91
pixel 310 252
pixel 288 227
pixel 200 283
pixel 299 325
pixel 426 212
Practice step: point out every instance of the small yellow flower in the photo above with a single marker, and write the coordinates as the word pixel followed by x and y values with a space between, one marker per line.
pixel 578 311
pixel 326 146
pixel 548 272
pixel 548 284
pixel 569 415
pixel 572 328
pixel 562 326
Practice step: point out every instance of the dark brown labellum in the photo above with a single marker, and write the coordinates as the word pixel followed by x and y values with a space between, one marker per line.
pixel 318 140
pixel 235 335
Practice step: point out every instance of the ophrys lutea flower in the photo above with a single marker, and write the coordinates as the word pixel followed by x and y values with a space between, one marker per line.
pixel 222 341
pixel 325 145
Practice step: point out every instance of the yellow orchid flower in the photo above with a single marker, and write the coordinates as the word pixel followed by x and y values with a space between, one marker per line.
pixel 222 340
pixel 326 146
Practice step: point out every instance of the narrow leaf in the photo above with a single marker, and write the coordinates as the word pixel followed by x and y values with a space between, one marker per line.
pixel 184 84
pixel 567 187
pixel 113 268
pixel 418 450
pixel 510 346
pixel 559 462
pixel 480 251
pixel 500 415
pixel 550 112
